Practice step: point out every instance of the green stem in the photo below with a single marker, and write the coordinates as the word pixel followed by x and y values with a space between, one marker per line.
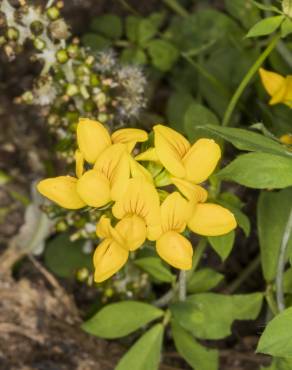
pixel 176 7
pixel 199 251
pixel 245 273
pixel 129 7
pixel 251 72
pixel 182 286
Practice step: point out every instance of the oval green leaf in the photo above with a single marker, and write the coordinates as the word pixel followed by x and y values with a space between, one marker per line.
pixel 266 26
pixel 145 353
pixel 120 319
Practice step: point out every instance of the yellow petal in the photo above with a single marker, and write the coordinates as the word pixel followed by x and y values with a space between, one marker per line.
pixel 61 190
pixel 92 138
pixel 114 164
pixel 141 199
pixel 211 220
pixel 272 81
pixel 154 232
pixel 288 93
pixel 286 139
pixel 133 231
pixel 108 258
pixel 94 189
pixel 137 170
pixel 201 160
pixel 176 250
pixel 104 227
pixel 175 212
pixel 279 96
pixel 129 136
pixel 79 166
pixel 192 192
pixel 149 155
pixel 170 147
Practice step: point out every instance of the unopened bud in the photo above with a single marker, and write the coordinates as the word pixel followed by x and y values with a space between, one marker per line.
pixel 53 13
pixel 73 50
pixel 94 80
pixel 12 33
pixel 102 117
pixel 36 27
pixel 72 90
pixel 39 44
pixel 62 56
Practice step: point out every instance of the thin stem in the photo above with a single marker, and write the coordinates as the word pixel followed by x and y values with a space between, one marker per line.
pixel 182 286
pixel 129 7
pixel 199 251
pixel 176 7
pixel 244 275
pixel 251 72
pixel 281 263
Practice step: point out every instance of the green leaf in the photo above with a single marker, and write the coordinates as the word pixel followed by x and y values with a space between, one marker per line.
pixel 162 53
pixel 276 339
pixel 222 244
pixel 148 27
pixel 156 268
pixel 243 11
pixel 279 364
pixel 120 319
pixel 177 105
pixel 109 25
pixel 134 55
pixel 196 355
pixel 132 27
pixel 259 171
pixel 95 42
pixel 204 280
pixel 286 27
pixel 271 8
pixel 248 140
pixel 287 281
pixel 198 115
pixel 265 26
pixel 145 353
pixel 64 257
pixel 210 315
pixel 242 220
pixel 272 214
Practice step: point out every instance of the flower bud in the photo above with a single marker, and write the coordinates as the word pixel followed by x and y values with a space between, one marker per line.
pixel 82 274
pixel 53 13
pixel 72 90
pixel 102 117
pixel 62 56
pixel 287 7
pixel 36 27
pixel 94 80
pixel 12 33
pixel 39 44
pixel 73 50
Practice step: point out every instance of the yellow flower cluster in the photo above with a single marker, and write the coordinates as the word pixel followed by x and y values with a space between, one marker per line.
pixel 116 178
pixel 278 87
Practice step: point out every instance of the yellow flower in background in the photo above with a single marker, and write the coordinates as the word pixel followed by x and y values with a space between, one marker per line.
pixel 286 139
pixel 277 86
pixel 171 246
pixel 93 138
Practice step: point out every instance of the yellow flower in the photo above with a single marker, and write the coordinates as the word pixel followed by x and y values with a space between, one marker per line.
pixel 93 138
pixel 207 219
pixel 277 86
pixel 137 209
pixel 189 166
pixel 286 139
pixel 194 163
pixel 95 187
pixel 171 246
